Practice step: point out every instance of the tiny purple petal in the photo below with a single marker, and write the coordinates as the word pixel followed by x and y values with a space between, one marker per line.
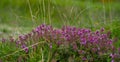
pixel 74 46
pixel 18 42
pixel 0 60
pixel 97 32
pixel 119 50
pixel 102 29
pixel 26 49
pixel 84 58
pixel 22 37
pixel 112 60
pixel 3 40
pixel 23 46
pixel 51 46
pixel 59 43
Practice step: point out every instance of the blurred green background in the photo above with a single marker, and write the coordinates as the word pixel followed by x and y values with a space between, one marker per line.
pixel 21 16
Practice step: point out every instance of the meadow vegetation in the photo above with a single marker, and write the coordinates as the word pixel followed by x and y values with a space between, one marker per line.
pixel 59 30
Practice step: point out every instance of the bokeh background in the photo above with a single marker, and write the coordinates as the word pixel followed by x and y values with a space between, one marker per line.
pixel 21 16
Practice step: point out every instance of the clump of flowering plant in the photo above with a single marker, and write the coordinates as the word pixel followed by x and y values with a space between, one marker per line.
pixel 80 44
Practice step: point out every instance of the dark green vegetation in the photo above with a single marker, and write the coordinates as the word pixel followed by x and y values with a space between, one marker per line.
pixel 21 16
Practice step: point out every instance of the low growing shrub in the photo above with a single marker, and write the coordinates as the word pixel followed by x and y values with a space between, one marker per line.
pixel 65 45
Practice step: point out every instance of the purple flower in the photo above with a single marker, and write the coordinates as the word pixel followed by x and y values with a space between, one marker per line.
pixel 91 39
pixel 84 58
pixel 0 60
pixel 110 42
pixel 102 29
pixel 43 26
pixel 59 43
pixel 37 29
pixel 112 55
pixel 79 33
pixel 74 29
pixel 94 50
pixel 103 36
pixel 88 31
pixel 97 32
pixel 22 37
pixel 43 32
pixel 83 41
pixel 98 48
pixel 108 33
pixel 12 39
pixel 83 30
pixel 81 51
pixel 75 47
pixel 51 46
pixel 67 36
pixel 25 48
pixel 119 50
pixel 112 60
pixel 29 35
pixel 3 40
pixel 49 28
pixel 18 42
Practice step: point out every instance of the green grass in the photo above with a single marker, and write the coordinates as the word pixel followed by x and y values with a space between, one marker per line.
pixel 77 13
pixel 82 14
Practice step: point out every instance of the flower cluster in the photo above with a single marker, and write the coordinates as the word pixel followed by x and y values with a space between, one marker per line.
pixel 85 44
